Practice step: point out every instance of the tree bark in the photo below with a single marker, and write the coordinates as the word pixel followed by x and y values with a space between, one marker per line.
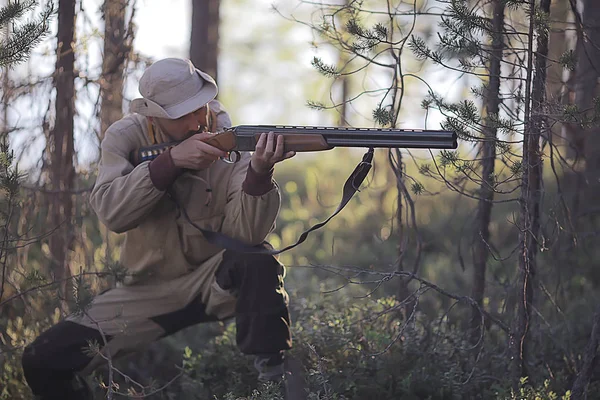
pixel 403 292
pixel 583 143
pixel 590 360
pixel 488 159
pixel 530 199
pixel 586 88
pixel 116 54
pixel 561 39
pixel 61 145
pixel 204 42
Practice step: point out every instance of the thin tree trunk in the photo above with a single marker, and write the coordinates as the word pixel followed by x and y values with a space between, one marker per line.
pixel 345 81
pixel 486 191
pixel 61 144
pixel 588 72
pixel 204 44
pixel 403 292
pixel 406 206
pixel 6 93
pixel 561 39
pixel 530 207
pixel 116 54
pixel 582 86
pixel 590 360
pixel 4 129
pixel 343 121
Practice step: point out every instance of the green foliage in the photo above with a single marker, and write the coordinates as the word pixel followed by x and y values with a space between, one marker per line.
pixel 585 119
pixel 543 392
pixel 357 349
pixel 517 168
pixel 516 4
pixel 383 117
pixel 463 19
pixel 365 39
pixel 327 70
pixel 315 105
pixel 448 158
pixel 568 60
pixel 417 188
pixel 541 22
pixel 82 294
pixel 17 46
pixel 422 52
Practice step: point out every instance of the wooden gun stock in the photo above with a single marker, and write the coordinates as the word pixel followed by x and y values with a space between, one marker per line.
pixel 226 141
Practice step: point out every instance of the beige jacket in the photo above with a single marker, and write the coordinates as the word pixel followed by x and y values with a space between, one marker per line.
pixel 160 244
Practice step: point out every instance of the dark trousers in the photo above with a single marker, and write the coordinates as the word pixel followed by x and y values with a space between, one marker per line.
pixel 51 362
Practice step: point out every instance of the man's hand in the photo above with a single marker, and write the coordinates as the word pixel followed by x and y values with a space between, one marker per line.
pixel 268 152
pixel 194 154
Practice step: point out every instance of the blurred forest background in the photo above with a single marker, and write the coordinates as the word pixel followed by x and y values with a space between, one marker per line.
pixel 467 274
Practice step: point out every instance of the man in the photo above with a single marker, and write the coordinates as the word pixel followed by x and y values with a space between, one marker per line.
pixel 176 277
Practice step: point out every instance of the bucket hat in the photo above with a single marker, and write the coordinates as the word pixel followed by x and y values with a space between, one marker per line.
pixel 172 88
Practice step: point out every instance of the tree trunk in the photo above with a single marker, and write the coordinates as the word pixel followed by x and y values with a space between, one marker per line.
pixel 61 148
pixel 403 290
pixel 590 360
pixel 345 83
pixel 486 191
pixel 116 54
pixel 344 80
pixel 204 43
pixel 584 145
pixel 530 199
pixel 561 39
pixel 588 72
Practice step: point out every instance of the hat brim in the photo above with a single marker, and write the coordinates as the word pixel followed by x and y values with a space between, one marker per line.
pixel 150 108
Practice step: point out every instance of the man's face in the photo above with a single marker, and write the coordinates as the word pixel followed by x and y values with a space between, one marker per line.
pixel 182 128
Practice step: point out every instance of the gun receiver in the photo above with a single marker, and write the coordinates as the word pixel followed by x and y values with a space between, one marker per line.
pixel 316 138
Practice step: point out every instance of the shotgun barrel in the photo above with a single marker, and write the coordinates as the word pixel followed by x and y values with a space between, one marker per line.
pixel 351 137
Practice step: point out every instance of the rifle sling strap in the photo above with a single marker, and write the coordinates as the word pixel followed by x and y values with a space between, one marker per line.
pixel 351 186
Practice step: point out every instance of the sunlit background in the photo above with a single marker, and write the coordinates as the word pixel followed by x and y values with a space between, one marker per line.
pixel 265 72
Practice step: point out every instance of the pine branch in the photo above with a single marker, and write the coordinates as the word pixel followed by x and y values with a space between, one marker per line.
pixel 315 105
pixel 13 11
pixel 325 69
pixel 17 46
pixel 383 117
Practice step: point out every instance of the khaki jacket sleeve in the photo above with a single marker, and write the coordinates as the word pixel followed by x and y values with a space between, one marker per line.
pixel 249 218
pixel 123 195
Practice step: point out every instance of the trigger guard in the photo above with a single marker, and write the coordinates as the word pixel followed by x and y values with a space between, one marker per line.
pixel 232 158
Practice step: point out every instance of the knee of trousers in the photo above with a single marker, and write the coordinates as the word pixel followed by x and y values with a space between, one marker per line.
pixel 59 351
pixel 264 265
pixel 257 270
pixel 37 356
pixel 37 368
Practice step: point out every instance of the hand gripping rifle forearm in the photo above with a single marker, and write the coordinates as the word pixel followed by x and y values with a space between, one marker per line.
pixel 312 138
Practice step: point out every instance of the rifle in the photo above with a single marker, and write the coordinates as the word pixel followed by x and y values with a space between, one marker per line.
pixel 313 138
pixel 303 139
